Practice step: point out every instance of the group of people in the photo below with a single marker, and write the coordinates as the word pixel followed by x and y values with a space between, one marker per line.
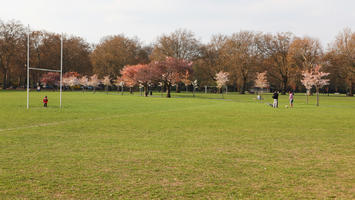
pixel 275 96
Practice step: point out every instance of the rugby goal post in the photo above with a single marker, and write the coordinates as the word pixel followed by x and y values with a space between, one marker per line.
pixel 42 69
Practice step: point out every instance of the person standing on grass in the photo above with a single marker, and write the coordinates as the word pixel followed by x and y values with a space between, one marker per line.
pixel 45 101
pixel 291 98
pixel 275 96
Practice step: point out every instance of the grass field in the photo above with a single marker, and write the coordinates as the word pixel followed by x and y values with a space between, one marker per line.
pixel 103 146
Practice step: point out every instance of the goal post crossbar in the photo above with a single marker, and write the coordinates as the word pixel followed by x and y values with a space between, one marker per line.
pixel 42 69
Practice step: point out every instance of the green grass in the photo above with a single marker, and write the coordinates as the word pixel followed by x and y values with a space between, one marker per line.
pixel 101 146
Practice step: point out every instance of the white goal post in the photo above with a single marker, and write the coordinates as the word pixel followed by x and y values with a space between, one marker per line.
pixel 42 69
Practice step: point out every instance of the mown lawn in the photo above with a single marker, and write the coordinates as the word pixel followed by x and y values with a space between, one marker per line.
pixel 111 146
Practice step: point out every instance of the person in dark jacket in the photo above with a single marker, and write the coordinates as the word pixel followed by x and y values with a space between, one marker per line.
pixel 275 96
pixel 291 98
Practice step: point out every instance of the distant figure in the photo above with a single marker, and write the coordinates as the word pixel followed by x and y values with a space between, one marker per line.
pixel 275 96
pixel 38 88
pixel 45 101
pixel 291 98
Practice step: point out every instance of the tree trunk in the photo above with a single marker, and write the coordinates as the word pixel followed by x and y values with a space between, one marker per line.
pixel 177 88
pixel 5 80
pixel 222 92
pixel 243 86
pixel 317 96
pixel 351 88
pixel 307 92
pixel 168 87
pixel 146 90
pixel 284 87
pixel 25 81
pixel 19 80
pixel 130 90
pixel 164 87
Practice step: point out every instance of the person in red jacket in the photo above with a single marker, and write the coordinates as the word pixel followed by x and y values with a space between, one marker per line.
pixel 45 101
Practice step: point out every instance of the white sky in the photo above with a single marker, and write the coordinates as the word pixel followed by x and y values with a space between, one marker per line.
pixel 148 19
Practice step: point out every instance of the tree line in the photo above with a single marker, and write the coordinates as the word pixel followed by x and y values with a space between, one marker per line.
pixel 243 55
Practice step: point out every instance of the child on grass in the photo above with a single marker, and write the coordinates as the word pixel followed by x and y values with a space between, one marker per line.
pixel 45 101
pixel 291 98
pixel 275 96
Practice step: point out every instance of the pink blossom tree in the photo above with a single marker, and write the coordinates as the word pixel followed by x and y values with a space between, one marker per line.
pixel 221 80
pixel 94 81
pixel 315 77
pixel 73 81
pixel 84 82
pixel 129 76
pixel 170 70
pixel 307 81
pixel 319 80
pixel 50 78
pixel 107 82
pixel 119 84
pixel 261 81
pixel 70 82
pixel 145 76
pixel 185 79
pixel 70 79
pixel 66 81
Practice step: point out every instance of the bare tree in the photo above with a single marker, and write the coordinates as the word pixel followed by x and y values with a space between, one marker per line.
pixel 242 55
pixel 212 60
pixel 180 44
pixel 113 53
pixel 275 49
pixel 304 53
pixel 11 34
pixel 341 59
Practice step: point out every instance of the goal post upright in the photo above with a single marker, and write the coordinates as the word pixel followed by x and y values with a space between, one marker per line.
pixel 61 70
pixel 28 66
pixel 43 69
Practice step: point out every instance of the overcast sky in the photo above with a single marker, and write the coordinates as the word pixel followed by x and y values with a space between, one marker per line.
pixel 148 19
